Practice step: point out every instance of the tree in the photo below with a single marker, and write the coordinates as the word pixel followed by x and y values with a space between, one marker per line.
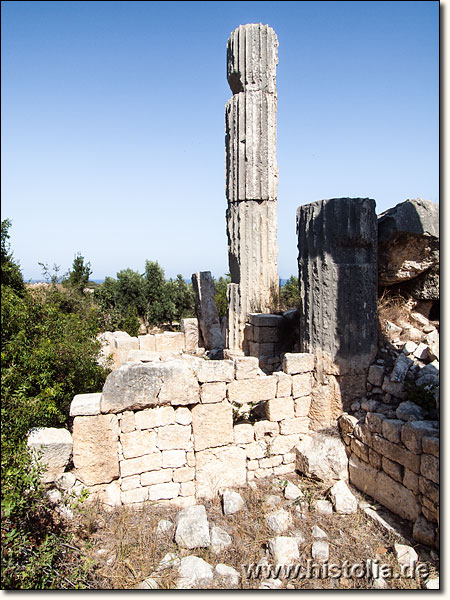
pixel 114 313
pixel 78 277
pixel 290 294
pixel 182 296
pixel 160 306
pixel 11 274
pixel 221 294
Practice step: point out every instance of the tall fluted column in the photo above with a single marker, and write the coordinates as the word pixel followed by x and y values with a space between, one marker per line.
pixel 251 175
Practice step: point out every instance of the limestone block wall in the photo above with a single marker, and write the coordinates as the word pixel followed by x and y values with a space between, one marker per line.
pixel 267 336
pixel 166 432
pixel 396 462
pixel 121 347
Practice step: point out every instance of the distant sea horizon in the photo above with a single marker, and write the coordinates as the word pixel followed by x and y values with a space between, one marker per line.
pixel 282 281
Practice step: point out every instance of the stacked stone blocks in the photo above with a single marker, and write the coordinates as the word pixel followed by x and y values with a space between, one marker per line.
pixel 120 347
pixel 134 449
pixel 396 462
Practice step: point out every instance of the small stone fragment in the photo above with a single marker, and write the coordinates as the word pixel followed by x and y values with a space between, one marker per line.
pixel 324 507
pixel 284 550
pixel 192 528
pixel 405 554
pixel 279 521
pixel 232 502
pixel 147 584
pixel 230 575
pixel 194 571
pixel 164 527
pixel 318 533
pixel 344 501
pixel 320 551
pixel 292 492
pixel 220 539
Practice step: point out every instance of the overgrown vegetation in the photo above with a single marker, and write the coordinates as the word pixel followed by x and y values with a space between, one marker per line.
pixel 126 547
pixel 49 354
pixel 290 294
pixel 394 308
pixel 134 298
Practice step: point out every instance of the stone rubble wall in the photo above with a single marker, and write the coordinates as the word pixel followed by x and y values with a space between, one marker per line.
pixel 396 462
pixel 166 433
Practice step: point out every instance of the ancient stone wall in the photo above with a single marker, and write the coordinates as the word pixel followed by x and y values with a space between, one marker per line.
pixel 118 347
pixel 269 336
pixel 396 462
pixel 165 431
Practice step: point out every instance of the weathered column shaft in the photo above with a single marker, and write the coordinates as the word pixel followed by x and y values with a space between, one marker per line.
pixel 337 262
pixel 337 243
pixel 206 309
pixel 251 142
pixel 251 175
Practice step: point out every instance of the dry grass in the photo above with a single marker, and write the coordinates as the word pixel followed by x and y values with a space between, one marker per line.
pixel 395 308
pixel 130 550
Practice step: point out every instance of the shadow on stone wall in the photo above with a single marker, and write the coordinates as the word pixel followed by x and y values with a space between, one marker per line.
pixel 337 243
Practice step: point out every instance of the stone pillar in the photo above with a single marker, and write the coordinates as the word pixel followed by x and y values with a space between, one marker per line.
pixel 251 176
pixel 337 262
pixel 206 309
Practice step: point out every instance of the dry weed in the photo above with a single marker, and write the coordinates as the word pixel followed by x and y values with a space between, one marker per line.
pixel 124 549
pixel 395 308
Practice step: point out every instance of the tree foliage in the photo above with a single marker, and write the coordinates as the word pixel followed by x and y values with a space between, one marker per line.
pixel 290 294
pixel 221 285
pixel 11 274
pixel 182 296
pixel 147 298
pixel 49 354
pixel 78 277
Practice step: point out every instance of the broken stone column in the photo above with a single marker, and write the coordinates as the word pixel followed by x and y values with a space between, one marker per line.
pixel 251 176
pixel 337 262
pixel 206 309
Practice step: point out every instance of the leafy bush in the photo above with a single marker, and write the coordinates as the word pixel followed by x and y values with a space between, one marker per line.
pixel 147 298
pixel 11 275
pixel 221 285
pixel 36 553
pixel 49 354
pixel 182 296
pixel 290 294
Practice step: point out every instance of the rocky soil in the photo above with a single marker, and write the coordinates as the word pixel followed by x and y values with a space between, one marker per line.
pixel 286 521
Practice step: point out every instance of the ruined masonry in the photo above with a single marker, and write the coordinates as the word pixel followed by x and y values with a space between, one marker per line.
pixel 251 176
pixel 206 309
pixel 164 431
pixel 337 262
pixel 172 425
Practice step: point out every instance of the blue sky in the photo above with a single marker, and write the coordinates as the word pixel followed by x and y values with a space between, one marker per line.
pixel 113 123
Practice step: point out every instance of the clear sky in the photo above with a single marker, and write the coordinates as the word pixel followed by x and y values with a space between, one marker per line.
pixel 113 123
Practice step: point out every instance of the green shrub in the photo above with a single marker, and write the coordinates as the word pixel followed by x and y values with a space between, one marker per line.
pixel 49 354
pixel 36 549
pixel 290 294
pixel 147 298
pixel 221 285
